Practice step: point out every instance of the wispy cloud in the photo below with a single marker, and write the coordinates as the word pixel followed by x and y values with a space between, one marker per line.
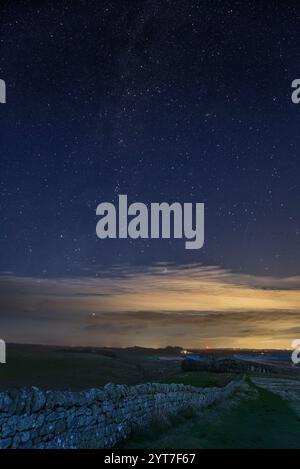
pixel 158 305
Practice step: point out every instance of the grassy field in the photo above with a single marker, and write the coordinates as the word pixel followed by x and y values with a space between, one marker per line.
pixel 265 421
pixel 57 368
pixel 200 379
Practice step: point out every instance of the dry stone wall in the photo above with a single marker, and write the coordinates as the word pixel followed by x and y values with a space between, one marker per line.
pixel 100 418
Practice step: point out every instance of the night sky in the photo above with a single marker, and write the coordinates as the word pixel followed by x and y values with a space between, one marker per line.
pixel 163 101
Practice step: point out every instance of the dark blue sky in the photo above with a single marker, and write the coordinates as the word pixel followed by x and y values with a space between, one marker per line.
pixel 163 101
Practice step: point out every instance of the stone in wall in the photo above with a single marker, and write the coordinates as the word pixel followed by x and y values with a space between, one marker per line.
pixel 32 418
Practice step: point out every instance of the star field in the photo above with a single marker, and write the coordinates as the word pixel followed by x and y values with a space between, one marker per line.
pixel 163 101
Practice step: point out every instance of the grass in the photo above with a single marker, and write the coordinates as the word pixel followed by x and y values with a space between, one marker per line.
pixel 262 422
pixel 201 379
pixel 53 368
pixel 56 370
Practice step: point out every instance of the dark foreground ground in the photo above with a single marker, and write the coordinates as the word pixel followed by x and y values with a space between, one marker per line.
pixel 267 416
pixel 80 368
pixel 263 420
pixel 72 368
